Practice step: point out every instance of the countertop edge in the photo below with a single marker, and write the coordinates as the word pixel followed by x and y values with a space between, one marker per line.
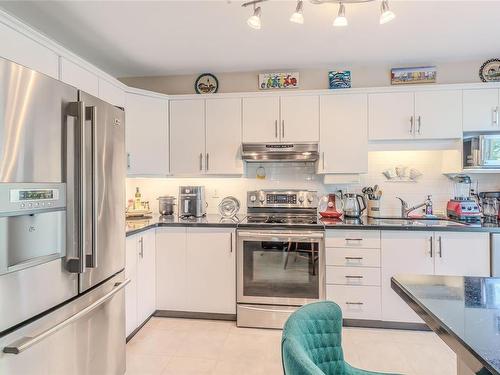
pixel 442 330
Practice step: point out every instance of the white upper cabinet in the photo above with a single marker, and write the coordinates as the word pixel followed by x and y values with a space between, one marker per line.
pixel 462 254
pixel 438 114
pixel 481 110
pixel 343 134
pixel 261 119
pixel 25 51
pixel 146 135
pixel 223 136
pixel 111 93
pixel 390 116
pixel 433 114
pixel 187 132
pixel 299 118
pixel 79 77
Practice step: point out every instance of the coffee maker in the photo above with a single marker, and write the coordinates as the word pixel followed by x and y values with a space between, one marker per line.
pixel 192 201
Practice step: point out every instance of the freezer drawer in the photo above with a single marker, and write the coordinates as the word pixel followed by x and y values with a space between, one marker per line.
pixel 84 337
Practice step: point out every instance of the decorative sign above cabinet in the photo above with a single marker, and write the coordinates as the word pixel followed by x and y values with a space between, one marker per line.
pixel 423 74
pixel 206 83
pixel 285 80
pixel 490 71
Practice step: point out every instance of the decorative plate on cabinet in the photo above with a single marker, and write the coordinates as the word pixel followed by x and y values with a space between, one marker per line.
pixel 206 84
pixel 490 71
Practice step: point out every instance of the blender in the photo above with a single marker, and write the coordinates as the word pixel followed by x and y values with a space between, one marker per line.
pixel 463 206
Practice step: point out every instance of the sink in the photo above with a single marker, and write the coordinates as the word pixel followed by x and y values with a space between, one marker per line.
pixel 419 222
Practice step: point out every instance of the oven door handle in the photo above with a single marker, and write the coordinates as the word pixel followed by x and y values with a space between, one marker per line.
pixel 282 235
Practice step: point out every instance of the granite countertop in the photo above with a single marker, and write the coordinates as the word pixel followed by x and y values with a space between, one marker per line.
pixel 134 226
pixel 463 311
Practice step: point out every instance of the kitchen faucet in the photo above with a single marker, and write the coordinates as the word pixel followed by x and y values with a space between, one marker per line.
pixel 405 210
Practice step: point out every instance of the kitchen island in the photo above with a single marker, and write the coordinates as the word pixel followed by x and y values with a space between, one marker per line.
pixel 463 311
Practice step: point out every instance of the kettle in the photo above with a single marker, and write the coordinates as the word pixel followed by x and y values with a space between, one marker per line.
pixel 330 206
pixel 354 205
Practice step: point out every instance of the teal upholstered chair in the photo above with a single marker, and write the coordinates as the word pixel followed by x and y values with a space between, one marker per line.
pixel 311 342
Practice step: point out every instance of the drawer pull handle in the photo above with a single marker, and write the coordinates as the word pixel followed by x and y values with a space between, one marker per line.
pixel 353 277
pixel 354 303
pixel 353 239
pixel 353 258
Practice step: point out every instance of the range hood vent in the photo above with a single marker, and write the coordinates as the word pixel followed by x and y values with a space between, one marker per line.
pixel 280 152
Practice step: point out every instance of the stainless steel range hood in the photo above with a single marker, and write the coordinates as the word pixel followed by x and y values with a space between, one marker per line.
pixel 280 152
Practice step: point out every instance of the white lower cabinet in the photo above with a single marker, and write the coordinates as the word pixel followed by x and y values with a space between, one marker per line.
pixel 140 294
pixel 428 253
pixel 196 270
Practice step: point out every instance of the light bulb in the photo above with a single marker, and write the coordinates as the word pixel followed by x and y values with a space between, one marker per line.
pixel 254 20
pixel 340 20
pixel 386 15
pixel 298 16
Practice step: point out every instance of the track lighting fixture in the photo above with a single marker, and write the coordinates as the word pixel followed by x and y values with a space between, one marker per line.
pixel 386 15
pixel 340 20
pixel 298 16
pixel 254 21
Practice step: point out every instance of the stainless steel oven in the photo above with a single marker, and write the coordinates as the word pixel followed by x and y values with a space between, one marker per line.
pixel 277 271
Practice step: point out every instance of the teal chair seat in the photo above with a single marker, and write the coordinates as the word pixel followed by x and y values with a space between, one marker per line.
pixel 311 342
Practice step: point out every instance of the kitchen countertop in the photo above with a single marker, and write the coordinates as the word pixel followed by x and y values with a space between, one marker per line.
pixel 463 311
pixel 212 220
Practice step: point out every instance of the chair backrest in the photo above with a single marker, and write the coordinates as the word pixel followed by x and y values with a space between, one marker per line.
pixel 311 341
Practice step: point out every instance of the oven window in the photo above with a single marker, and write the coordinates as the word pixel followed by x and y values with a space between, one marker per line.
pixel 280 269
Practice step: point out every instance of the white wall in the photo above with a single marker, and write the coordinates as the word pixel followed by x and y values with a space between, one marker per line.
pixel 372 75
pixel 297 177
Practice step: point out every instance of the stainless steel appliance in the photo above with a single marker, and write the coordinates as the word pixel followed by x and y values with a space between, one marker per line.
pixel 463 206
pixel 279 152
pixel 280 264
pixel 62 171
pixel 481 151
pixel 490 205
pixel 352 204
pixel 495 254
pixel 192 201
pixel 166 205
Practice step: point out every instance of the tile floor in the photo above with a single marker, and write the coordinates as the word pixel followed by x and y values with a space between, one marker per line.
pixel 187 346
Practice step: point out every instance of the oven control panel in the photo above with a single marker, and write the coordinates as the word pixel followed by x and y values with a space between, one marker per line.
pixel 282 198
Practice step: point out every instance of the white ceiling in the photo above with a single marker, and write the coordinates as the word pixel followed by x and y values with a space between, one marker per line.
pixel 140 38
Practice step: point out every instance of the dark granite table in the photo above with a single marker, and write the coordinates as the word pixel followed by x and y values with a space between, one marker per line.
pixel 463 311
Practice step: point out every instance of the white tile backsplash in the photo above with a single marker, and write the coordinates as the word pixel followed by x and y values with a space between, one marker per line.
pixel 303 176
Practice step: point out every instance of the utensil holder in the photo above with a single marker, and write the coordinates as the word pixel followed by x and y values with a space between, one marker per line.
pixel 373 208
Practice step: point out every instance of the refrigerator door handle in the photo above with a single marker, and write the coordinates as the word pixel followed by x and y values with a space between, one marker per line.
pixel 91 260
pixel 24 343
pixel 77 264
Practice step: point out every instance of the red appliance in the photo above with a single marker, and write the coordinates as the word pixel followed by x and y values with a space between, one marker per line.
pixel 333 208
pixel 463 206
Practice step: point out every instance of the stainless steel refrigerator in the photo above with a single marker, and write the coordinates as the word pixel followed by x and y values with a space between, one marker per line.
pixel 62 239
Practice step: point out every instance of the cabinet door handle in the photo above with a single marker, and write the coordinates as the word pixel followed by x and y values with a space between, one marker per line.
pixel 353 240
pixel 353 277
pixel 231 241
pixel 495 116
pixel 419 124
pixel 282 129
pixel 275 128
pixel 141 253
pixel 323 159
pixel 206 162
pixel 440 243
pixel 354 258
pixel 411 124
pixel 355 303
pixel 201 161
pixel 431 242
pixel 128 160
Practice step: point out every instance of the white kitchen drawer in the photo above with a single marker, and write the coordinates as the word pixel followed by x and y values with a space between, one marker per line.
pixel 356 257
pixel 369 239
pixel 356 302
pixel 353 275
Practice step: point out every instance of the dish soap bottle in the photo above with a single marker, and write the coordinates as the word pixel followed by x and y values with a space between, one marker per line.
pixel 138 199
pixel 428 206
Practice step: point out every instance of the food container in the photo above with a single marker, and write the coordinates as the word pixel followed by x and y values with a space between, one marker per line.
pixel 166 205
pixel 373 208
